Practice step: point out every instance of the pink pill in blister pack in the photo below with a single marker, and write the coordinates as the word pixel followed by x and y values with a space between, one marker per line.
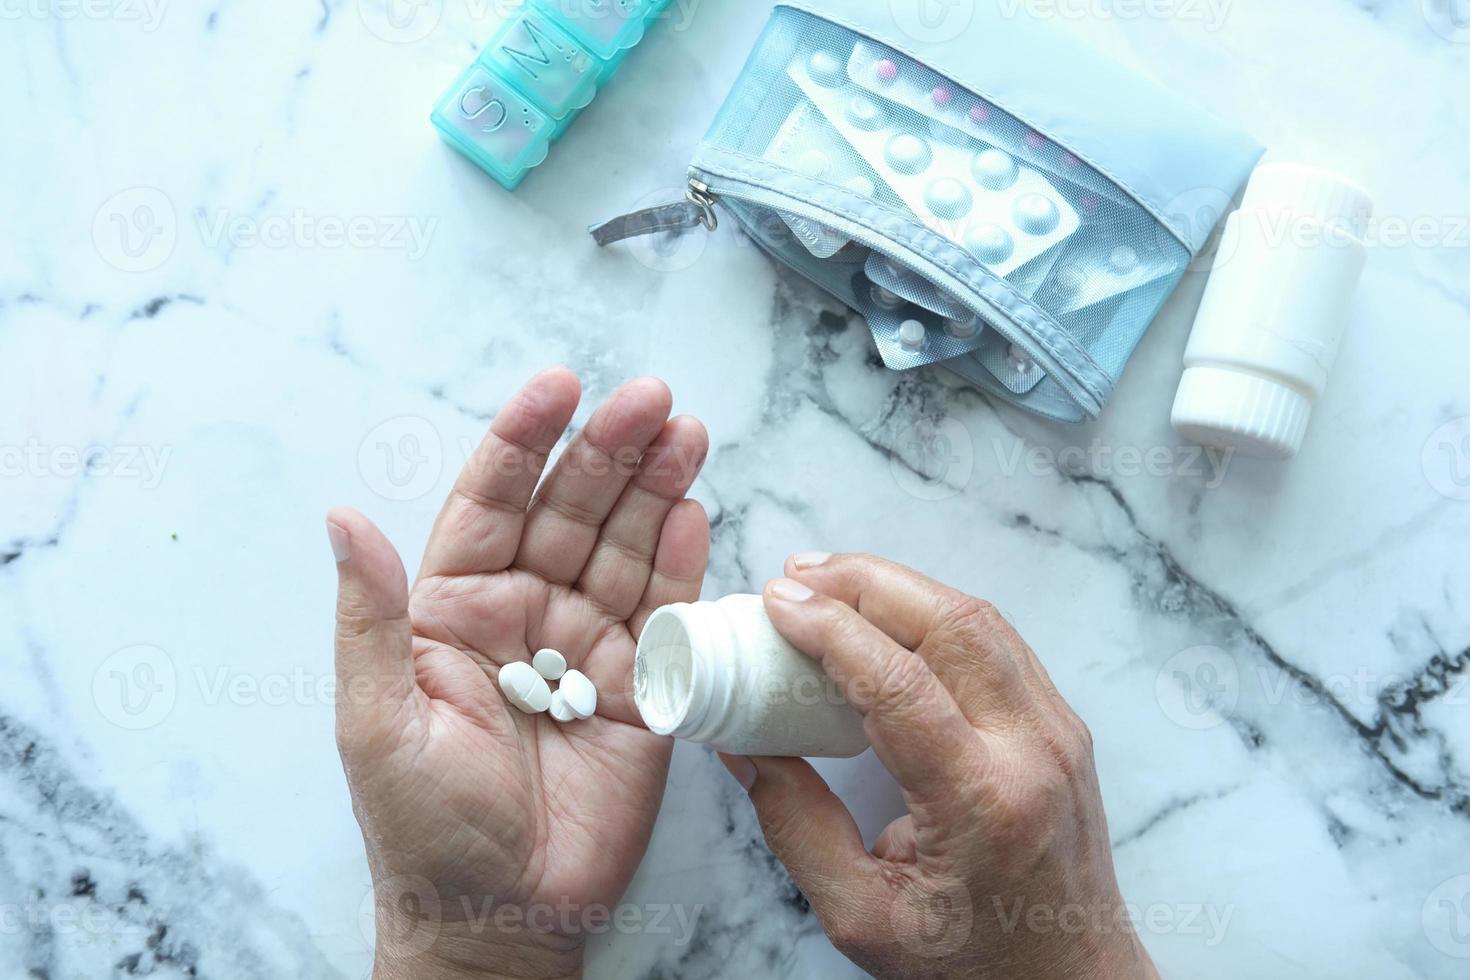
pixel 982 199
pixel 964 116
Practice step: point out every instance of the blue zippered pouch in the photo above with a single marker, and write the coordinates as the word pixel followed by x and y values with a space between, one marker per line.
pixel 1006 202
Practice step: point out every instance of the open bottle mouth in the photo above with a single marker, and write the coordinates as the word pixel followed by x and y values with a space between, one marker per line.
pixel 663 672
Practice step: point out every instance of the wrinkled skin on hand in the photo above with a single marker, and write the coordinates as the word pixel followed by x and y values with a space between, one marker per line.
pixel 1002 867
pixel 492 835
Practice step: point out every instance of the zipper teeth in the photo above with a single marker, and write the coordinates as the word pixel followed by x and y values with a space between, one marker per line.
pixel 744 191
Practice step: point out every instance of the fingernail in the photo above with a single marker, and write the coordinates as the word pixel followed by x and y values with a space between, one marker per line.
pixel 341 543
pixel 791 591
pixel 742 769
pixel 810 559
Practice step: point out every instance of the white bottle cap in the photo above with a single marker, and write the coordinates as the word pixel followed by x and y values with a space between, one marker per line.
pixel 1253 415
pixel 1259 414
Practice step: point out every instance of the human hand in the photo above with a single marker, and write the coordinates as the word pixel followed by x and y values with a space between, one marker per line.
pixel 493 835
pixel 1003 867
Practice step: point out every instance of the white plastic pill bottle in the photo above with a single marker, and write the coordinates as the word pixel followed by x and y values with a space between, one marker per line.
pixel 719 673
pixel 1274 312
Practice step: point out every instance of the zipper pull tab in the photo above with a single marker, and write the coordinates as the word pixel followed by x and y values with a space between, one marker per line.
pixel 696 210
pixel 700 195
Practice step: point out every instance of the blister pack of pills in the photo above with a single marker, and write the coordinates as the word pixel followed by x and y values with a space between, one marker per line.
pixel 902 281
pixel 1002 200
pixel 908 335
pixel 808 145
pixel 544 65
pixel 982 199
pixel 957 114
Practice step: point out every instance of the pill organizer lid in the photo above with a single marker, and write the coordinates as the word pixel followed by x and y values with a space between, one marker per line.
pixel 1175 159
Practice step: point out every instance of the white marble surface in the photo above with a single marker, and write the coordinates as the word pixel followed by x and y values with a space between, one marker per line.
pixel 1314 823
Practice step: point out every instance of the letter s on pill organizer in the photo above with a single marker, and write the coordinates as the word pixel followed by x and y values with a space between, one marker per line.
pixel 545 64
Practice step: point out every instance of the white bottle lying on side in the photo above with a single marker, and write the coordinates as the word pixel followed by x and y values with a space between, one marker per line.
pixel 719 673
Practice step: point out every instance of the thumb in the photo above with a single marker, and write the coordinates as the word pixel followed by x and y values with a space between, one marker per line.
pixel 374 641
pixel 811 832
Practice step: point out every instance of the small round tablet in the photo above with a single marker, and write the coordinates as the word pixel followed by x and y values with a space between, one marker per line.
pixel 990 243
pixel 864 113
pixel 979 113
pixel 948 198
pixel 814 163
pixel 1020 358
pixel 942 95
pixel 886 299
pixel 995 169
pixel 963 329
pixel 908 154
pixel 862 185
pixel 1123 260
pixel 826 69
pixel 886 70
pixel 559 709
pixel 911 334
pixel 579 693
pixel 1070 280
pixel 549 663
pixel 1036 214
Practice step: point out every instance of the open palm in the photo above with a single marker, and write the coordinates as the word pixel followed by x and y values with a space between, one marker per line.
pixel 470 808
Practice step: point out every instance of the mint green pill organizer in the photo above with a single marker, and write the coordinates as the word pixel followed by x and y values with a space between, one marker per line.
pixel 544 65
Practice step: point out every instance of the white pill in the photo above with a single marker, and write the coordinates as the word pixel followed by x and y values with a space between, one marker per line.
pixel 963 329
pixel 814 163
pixel 908 154
pixel 525 688
pixel 948 198
pixel 886 299
pixel 550 664
pixel 990 243
pixel 1035 213
pixel 559 709
pixel 995 169
pixel 579 693
pixel 1123 260
pixel 911 334
pixel 1070 280
pixel 864 113
pixel 862 185
pixel 1021 359
pixel 540 697
pixel 826 69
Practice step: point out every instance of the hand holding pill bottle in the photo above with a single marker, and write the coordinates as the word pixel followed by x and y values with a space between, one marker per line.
pixel 500 814
pixel 502 817
pixel 1005 815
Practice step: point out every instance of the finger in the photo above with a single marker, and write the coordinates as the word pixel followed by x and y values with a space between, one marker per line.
pixel 569 509
pixel 622 559
pixel 480 524
pixel 915 726
pixel 679 564
pixel 971 649
pixel 811 832
pixel 375 668
pixel 678 573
